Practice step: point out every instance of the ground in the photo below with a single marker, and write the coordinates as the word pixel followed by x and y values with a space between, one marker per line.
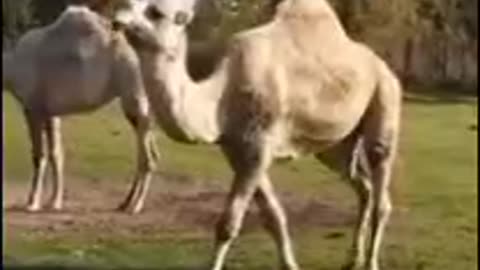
pixel 434 225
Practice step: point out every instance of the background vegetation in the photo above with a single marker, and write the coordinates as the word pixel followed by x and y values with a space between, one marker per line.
pixel 426 41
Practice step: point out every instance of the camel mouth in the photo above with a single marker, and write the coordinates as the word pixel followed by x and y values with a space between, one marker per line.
pixel 140 39
pixel 117 26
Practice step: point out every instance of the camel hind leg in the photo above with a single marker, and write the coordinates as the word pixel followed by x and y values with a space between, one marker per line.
pixel 348 158
pixel 36 129
pixel 382 127
pixel 381 158
pixel 371 161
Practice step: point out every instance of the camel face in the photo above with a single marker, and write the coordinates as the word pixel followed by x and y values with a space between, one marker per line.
pixel 156 24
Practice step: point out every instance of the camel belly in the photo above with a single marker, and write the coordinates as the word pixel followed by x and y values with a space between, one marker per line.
pixel 298 135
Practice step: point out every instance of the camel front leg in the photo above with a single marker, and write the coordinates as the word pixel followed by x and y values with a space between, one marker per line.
pixel 56 158
pixel 147 163
pixel 136 110
pixel 250 161
pixel 232 218
pixel 36 130
pixel 276 223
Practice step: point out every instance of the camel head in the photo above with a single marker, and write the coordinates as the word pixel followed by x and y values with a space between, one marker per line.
pixel 156 25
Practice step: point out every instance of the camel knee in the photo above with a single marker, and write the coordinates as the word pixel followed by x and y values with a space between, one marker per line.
pixel 149 165
pixel 55 154
pixel 230 223
pixel 378 153
pixel 279 219
pixel 147 162
pixel 274 218
pixel 364 190
pixel 384 208
pixel 39 156
pixel 226 230
pixel 138 120
pixel 274 221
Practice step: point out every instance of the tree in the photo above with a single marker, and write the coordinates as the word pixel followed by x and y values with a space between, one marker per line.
pixel 16 18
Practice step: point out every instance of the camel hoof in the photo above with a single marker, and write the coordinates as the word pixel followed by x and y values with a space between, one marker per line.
pixel 33 208
pixel 290 268
pixel 136 210
pixel 56 207
pixel 353 266
pixel 122 207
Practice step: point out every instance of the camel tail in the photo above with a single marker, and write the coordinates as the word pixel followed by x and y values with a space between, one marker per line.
pixel 383 114
pixel 391 91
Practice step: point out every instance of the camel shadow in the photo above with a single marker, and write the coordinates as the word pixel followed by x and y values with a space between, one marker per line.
pixel 57 267
pixel 60 267
pixel 21 209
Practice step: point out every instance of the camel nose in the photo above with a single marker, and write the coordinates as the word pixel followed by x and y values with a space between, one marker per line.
pixel 118 25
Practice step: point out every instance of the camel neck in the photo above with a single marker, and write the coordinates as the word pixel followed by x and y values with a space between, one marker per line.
pixel 189 109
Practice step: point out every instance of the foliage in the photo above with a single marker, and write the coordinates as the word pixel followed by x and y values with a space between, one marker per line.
pixel 16 17
pixel 389 26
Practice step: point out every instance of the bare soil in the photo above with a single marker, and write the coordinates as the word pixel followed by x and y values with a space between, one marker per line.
pixel 182 205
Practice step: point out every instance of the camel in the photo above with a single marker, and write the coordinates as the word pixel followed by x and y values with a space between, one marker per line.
pixel 73 66
pixel 294 86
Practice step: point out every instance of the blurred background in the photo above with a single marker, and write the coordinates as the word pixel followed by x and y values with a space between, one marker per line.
pixel 431 42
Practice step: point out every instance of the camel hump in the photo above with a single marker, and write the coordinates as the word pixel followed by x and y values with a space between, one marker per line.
pixel 78 36
pixel 305 8
pixel 79 21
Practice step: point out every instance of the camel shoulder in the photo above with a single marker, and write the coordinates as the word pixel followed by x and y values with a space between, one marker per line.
pixel 78 24
pixel 253 39
pixel 252 49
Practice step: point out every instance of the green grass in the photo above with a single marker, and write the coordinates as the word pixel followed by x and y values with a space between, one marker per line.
pixel 435 194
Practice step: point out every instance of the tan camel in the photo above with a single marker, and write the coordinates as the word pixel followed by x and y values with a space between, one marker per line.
pixel 296 85
pixel 75 65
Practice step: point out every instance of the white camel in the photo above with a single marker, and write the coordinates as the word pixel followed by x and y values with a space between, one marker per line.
pixel 75 65
pixel 296 85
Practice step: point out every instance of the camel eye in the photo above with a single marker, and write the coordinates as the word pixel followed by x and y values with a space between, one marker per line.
pixel 181 18
pixel 154 14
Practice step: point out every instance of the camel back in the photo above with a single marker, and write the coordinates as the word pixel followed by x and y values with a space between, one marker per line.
pixel 313 23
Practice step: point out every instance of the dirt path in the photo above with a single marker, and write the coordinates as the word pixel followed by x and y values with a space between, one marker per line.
pixel 171 206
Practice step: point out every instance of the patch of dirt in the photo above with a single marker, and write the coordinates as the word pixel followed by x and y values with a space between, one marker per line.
pixel 170 206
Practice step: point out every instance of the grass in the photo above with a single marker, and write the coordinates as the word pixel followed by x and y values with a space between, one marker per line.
pixel 435 192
